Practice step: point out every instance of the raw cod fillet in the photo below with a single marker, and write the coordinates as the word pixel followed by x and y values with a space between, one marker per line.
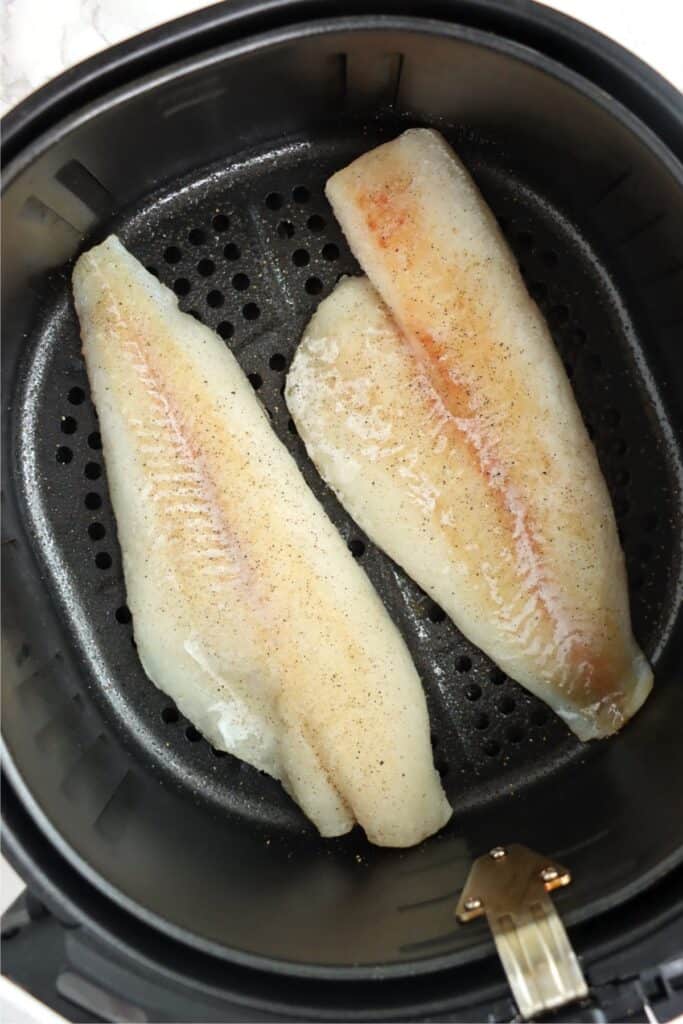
pixel 249 611
pixel 446 425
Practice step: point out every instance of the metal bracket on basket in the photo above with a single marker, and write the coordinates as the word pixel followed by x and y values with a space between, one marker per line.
pixel 511 885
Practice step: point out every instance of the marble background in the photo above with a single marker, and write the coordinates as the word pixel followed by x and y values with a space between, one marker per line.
pixel 40 38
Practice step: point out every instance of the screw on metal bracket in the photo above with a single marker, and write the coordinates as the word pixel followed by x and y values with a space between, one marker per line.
pixel 511 885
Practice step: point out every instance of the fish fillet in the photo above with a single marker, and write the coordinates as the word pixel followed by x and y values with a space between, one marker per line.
pixel 446 424
pixel 249 611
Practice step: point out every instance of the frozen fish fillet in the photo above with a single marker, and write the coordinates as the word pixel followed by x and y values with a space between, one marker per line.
pixel 249 611
pixel 446 424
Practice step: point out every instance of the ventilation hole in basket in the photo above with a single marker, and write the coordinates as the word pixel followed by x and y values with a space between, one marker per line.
pixel 215 299
pixel 195 315
pixel 251 311
pixel 550 258
pixel 218 753
pixel 170 714
pixel 76 396
pixel 314 286
pixel 491 748
pixel 612 417
pixel 277 361
pixel 256 380
pixel 435 613
pixel 481 722
pixel 220 222
pixel 181 286
pixel 650 522
pixel 330 251
pixel 497 677
pixel 537 291
pixel 68 425
pixel 206 268
pixel 103 560
pixel 291 427
pixel 92 501
pixel 232 251
pixel 316 223
pixel 96 531
pixel 172 254
pixel 506 706
pixel 93 470
pixel 64 455
pixel 558 315
pixel 538 716
pixel 192 734
pixel 515 734
pixel 240 282
pixel 196 236
pixel 285 229
pixel 463 663
pixel 123 615
pixel 357 547
pixel 152 270
pixel 274 200
pixel 442 767
pixel 525 240
pixel 301 194
pixel 623 478
pixel 473 692
pixel 225 330
pixel 95 441
pixel 300 258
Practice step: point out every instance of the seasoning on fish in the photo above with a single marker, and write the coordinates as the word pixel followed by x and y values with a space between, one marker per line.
pixel 437 407
pixel 248 609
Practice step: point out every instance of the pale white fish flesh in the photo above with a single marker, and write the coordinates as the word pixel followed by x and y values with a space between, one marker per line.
pixel 446 424
pixel 249 611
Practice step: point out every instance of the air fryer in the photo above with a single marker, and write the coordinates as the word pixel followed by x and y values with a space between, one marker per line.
pixel 205 146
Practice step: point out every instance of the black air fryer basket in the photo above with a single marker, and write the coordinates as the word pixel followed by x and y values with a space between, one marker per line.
pixel 205 145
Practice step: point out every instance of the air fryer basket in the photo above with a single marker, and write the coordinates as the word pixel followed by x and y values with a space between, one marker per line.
pixel 211 171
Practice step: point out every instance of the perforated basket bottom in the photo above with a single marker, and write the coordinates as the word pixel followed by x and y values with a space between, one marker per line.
pixel 250 250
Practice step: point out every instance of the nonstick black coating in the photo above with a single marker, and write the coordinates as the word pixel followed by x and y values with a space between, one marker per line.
pixel 207 846
pixel 251 253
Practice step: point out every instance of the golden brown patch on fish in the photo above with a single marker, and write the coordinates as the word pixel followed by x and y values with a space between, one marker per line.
pixel 146 361
pixel 594 674
pixel 388 210
pixel 598 676
pixel 391 214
